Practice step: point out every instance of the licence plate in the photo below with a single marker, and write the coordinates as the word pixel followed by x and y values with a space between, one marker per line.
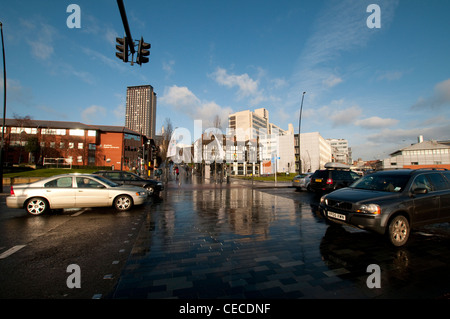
pixel 336 215
pixel 318 180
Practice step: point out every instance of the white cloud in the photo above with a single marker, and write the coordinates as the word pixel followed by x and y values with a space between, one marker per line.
pixel 331 81
pixel 40 37
pixel 339 28
pixel 247 86
pixel 376 122
pixel 185 101
pixel 345 116
pixel 439 98
pixel 93 113
pixel 390 75
pixel 168 67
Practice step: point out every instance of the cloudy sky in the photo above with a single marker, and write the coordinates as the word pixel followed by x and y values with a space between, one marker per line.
pixel 379 88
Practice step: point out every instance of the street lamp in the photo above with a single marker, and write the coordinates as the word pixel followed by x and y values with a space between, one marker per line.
pixel 299 126
pixel 4 111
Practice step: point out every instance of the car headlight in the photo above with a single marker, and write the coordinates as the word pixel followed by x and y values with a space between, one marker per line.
pixel 141 193
pixel 369 209
pixel 323 200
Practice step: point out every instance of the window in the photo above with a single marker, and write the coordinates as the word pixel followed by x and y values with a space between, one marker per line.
pixel 51 131
pixel 61 145
pixel 80 159
pixel 438 181
pixel 63 182
pixel 114 175
pixel 84 182
pixel 421 181
pixel 74 132
pixel 71 145
pixel 80 146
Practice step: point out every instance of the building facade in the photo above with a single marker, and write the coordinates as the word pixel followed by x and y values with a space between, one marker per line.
pixel 70 144
pixel 258 146
pixel 315 152
pixel 140 112
pixel 423 154
pixel 340 152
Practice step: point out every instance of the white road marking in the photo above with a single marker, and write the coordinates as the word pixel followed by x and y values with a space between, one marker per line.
pixel 11 251
pixel 78 213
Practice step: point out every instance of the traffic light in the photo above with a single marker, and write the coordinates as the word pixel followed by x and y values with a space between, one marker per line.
pixel 122 48
pixel 143 52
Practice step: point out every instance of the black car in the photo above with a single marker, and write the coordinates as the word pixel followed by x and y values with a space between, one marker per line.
pixel 153 187
pixel 334 176
pixel 391 202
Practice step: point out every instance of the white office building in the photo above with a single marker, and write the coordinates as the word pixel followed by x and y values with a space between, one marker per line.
pixel 420 155
pixel 315 151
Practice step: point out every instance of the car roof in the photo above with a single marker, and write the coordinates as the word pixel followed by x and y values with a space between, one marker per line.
pixel 406 171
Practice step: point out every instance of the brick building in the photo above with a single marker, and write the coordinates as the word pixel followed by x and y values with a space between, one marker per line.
pixel 37 141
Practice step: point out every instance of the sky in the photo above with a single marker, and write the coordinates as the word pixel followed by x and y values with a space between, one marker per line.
pixel 378 87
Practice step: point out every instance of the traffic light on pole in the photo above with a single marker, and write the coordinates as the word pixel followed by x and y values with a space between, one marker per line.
pixel 143 52
pixel 122 48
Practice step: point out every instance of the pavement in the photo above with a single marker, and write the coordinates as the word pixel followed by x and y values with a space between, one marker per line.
pixel 216 241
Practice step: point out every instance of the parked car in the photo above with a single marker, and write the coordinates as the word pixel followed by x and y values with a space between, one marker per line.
pixel 301 182
pixel 153 187
pixel 391 202
pixel 74 190
pixel 334 176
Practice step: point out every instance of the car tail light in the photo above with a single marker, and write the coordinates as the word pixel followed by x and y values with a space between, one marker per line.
pixel 12 191
pixel 329 181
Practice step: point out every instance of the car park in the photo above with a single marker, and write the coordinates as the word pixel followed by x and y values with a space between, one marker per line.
pixel 333 177
pixel 302 181
pixel 391 202
pixel 74 191
pixel 153 187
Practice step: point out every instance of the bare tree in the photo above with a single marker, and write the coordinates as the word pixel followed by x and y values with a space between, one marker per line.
pixel 217 122
pixel 167 134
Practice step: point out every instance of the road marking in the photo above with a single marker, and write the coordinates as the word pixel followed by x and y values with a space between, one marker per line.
pixel 78 213
pixel 11 251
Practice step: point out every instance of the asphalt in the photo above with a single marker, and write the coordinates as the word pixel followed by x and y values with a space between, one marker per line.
pixel 220 241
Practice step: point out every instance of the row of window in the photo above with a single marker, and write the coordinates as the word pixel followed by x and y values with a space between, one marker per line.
pixel 52 131
pixel 427 152
pixel 62 145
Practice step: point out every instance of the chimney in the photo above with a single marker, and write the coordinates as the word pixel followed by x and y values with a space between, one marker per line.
pixel 420 139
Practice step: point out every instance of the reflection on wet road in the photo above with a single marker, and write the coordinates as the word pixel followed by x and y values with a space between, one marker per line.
pixel 215 241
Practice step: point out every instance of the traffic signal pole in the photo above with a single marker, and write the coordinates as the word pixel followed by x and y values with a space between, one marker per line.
pixel 123 14
pixel 126 44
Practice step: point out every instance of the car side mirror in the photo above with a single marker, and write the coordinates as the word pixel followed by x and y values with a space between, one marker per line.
pixel 420 190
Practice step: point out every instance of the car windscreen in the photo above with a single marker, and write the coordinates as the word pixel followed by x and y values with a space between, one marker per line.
pixel 382 182
pixel 106 181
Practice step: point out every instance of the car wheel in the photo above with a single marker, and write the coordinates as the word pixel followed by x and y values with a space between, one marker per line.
pixel 150 190
pixel 36 206
pixel 123 202
pixel 398 230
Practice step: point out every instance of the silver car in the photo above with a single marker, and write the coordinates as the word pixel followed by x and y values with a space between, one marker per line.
pixel 74 190
pixel 301 182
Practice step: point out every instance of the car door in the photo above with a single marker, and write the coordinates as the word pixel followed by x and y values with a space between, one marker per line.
pixel 131 179
pixel 442 188
pixel 60 192
pixel 427 204
pixel 90 193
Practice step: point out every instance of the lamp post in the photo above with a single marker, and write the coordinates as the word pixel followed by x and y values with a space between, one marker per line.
pixel 299 126
pixel 4 111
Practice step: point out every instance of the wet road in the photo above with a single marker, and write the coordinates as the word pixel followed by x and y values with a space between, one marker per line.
pixel 216 241
pixel 211 241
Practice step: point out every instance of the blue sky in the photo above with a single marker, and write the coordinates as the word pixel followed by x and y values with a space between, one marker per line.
pixel 378 88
